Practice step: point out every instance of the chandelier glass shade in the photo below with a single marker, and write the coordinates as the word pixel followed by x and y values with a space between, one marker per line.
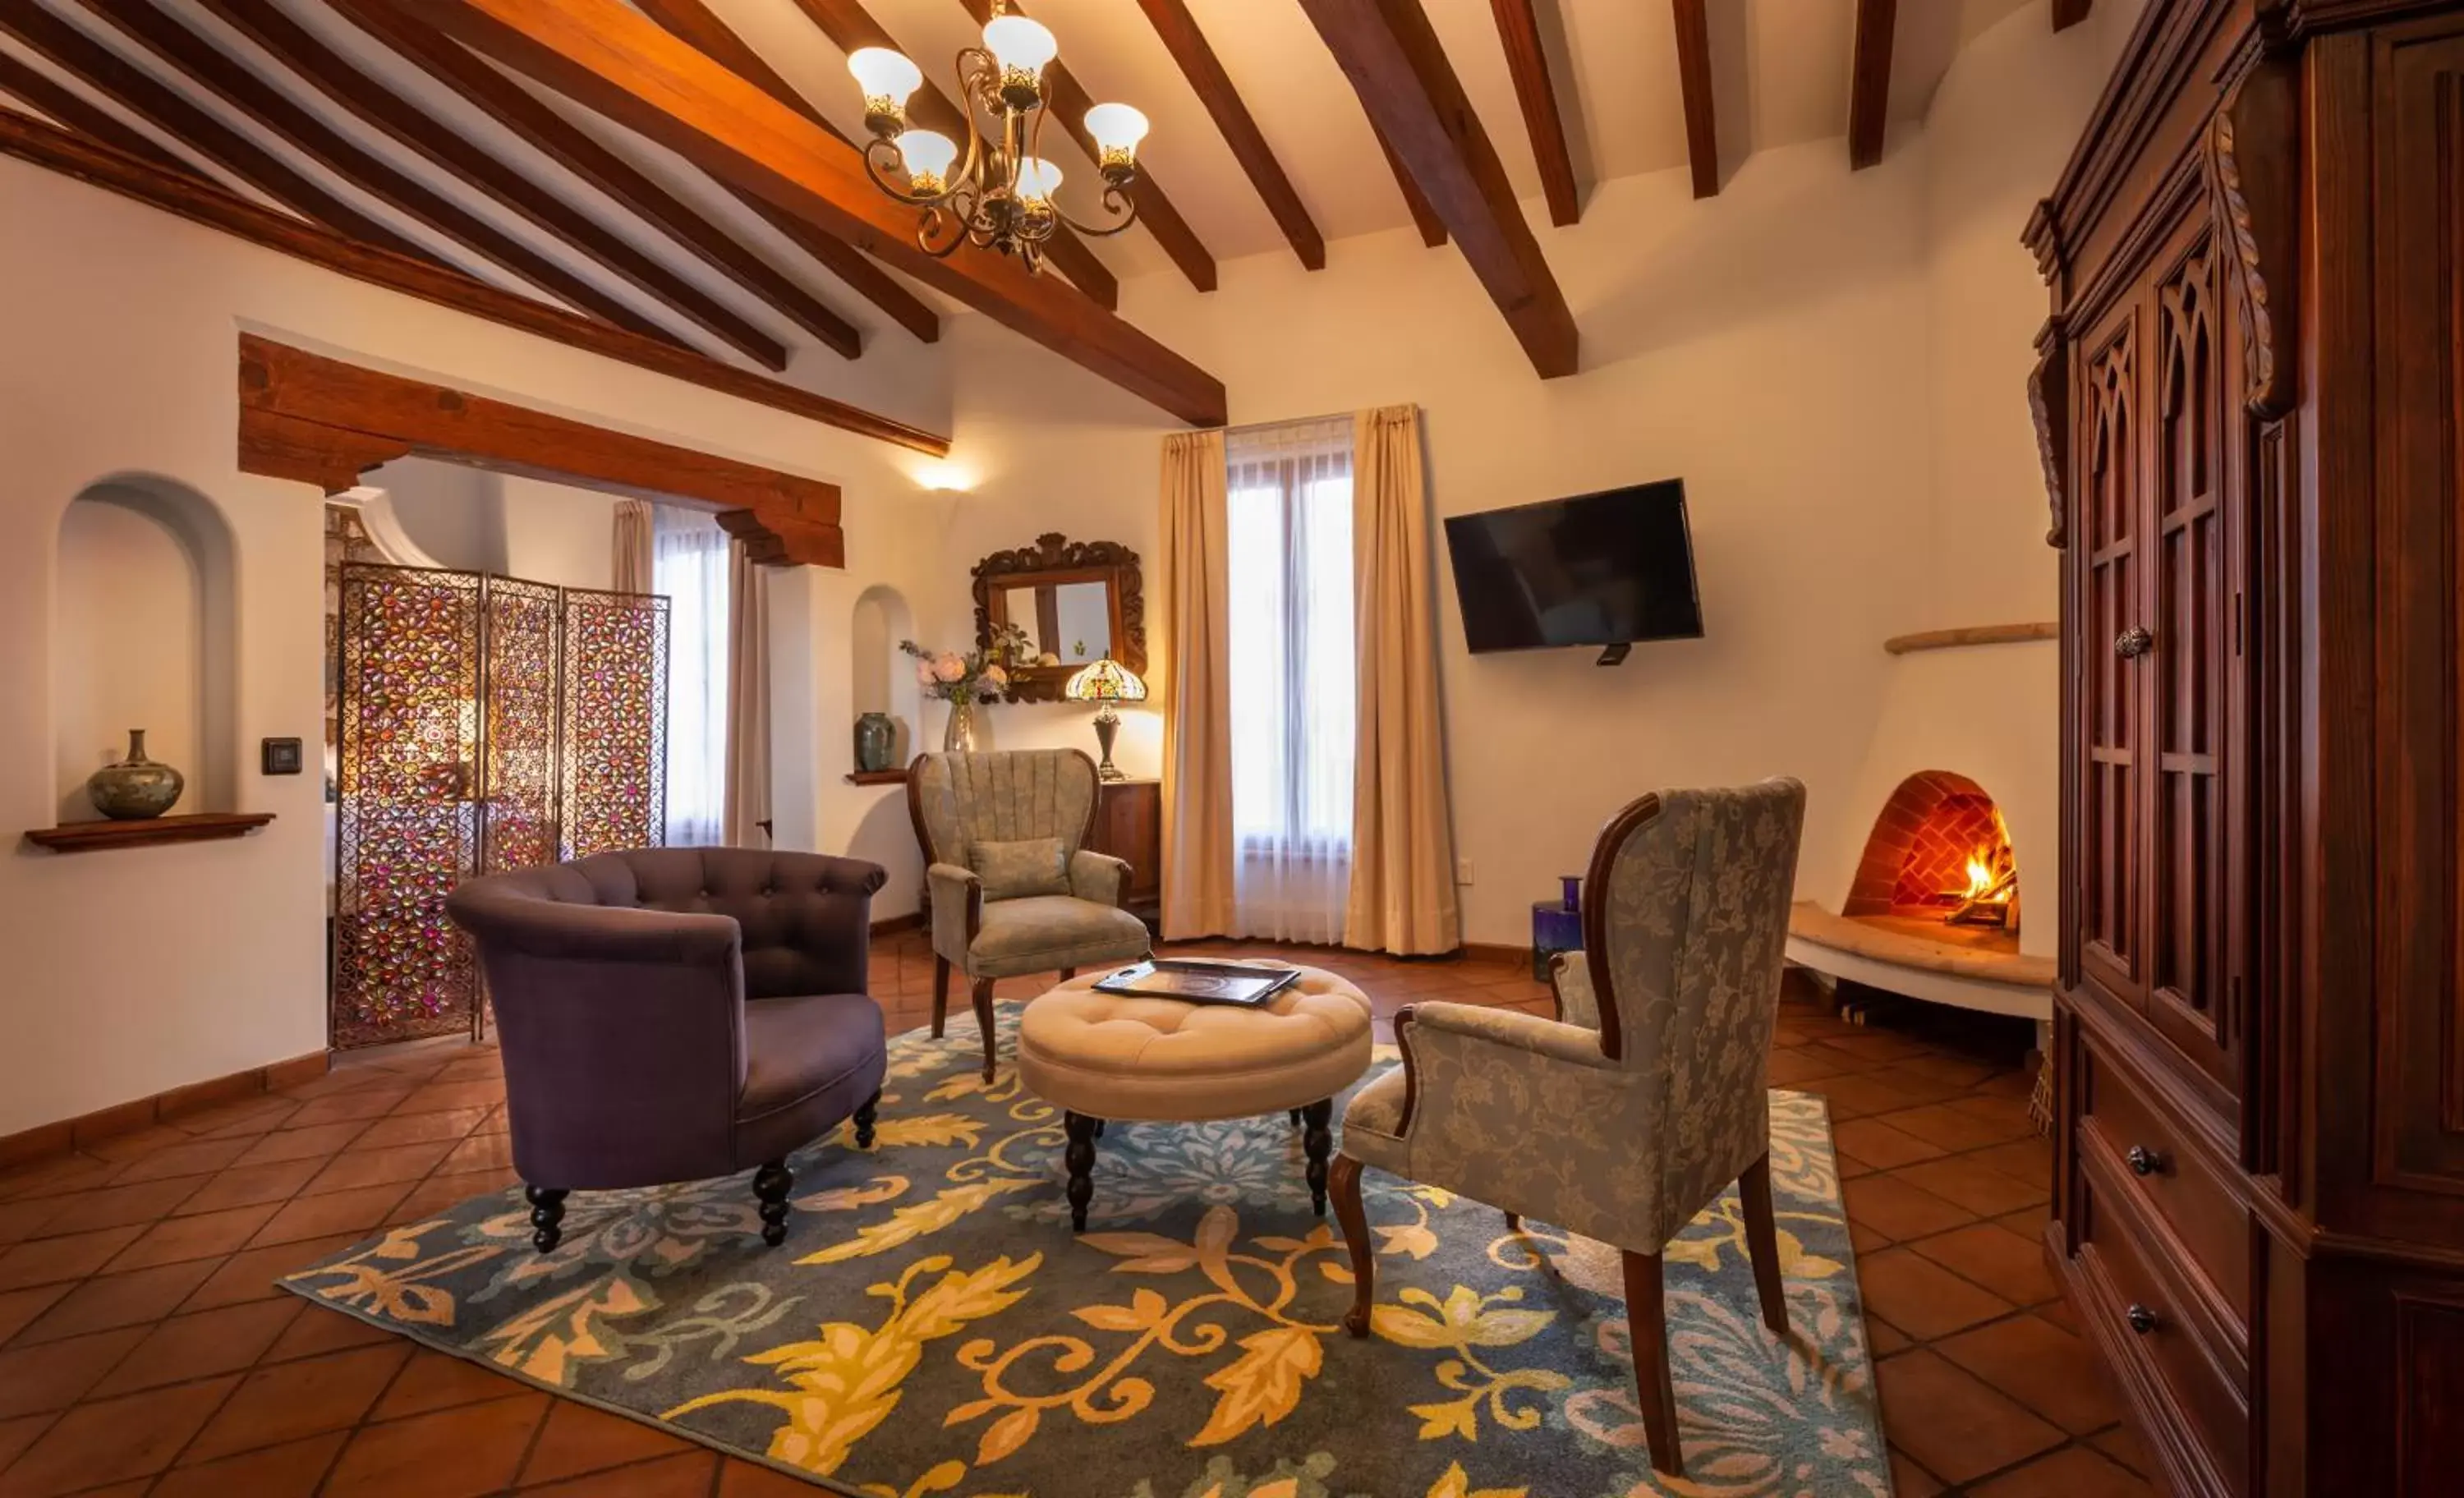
pixel 996 189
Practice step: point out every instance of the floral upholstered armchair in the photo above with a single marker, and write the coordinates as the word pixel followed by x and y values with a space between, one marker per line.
pixel 1014 887
pixel 1634 1110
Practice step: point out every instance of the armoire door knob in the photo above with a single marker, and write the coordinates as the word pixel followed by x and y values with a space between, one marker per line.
pixel 2141 1319
pixel 2141 1160
pixel 2133 643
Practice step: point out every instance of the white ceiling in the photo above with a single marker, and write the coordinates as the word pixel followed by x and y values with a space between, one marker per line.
pixel 1616 84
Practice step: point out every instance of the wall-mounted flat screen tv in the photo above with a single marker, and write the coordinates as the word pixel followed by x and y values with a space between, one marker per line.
pixel 1608 570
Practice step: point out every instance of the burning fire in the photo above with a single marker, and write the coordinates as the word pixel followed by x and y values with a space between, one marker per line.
pixel 1982 881
pixel 1993 892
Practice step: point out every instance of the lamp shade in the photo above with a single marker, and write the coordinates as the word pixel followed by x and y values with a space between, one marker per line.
pixel 1105 680
pixel 1117 127
pixel 927 155
pixel 1037 180
pixel 1020 43
pixel 883 74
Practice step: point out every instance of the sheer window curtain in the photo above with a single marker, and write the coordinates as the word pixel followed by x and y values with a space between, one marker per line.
pixel 1293 696
pixel 689 566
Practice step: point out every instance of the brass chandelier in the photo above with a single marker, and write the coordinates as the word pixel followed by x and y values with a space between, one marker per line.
pixel 1001 195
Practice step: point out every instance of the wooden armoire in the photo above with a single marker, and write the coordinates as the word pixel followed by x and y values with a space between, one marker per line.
pixel 2251 405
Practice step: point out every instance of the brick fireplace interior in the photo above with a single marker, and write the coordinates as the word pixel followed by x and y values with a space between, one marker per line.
pixel 1939 863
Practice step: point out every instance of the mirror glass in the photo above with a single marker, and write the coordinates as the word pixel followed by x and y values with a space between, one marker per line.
pixel 1070 623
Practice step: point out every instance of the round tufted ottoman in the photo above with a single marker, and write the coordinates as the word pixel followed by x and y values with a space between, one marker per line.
pixel 1100 1056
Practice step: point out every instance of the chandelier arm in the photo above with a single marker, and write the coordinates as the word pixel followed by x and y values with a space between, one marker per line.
pixel 1127 220
pixel 934 217
pixel 877 169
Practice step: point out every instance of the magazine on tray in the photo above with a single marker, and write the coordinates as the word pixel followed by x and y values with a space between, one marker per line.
pixel 1195 981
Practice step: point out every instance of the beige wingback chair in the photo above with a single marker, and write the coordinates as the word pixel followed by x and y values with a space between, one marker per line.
pixel 1634 1110
pixel 1014 887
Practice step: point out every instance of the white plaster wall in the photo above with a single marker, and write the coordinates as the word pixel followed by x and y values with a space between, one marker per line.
pixel 128 973
pixel 128 650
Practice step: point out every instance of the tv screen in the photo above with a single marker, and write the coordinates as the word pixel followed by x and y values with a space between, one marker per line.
pixel 1597 569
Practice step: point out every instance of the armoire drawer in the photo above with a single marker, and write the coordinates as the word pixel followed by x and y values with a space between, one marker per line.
pixel 2143 1319
pixel 2145 1144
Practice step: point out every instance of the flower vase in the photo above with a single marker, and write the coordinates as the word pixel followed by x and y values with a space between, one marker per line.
pixel 137 787
pixel 959 734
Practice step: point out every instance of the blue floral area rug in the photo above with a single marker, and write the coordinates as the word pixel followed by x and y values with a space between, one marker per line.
pixel 933 1327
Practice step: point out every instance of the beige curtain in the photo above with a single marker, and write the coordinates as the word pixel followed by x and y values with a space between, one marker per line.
pixel 632 549
pixel 1402 897
pixel 745 819
pixel 1197 690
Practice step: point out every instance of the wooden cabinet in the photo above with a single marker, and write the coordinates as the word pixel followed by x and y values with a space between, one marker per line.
pixel 1128 824
pixel 2249 413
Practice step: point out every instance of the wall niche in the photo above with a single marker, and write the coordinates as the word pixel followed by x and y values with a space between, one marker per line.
pixel 143 635
pixel 881 679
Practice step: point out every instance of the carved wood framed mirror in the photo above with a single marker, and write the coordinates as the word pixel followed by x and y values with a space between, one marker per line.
pixel 1078 602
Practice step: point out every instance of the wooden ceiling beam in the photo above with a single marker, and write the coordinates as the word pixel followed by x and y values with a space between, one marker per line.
pixel 2068 13
pixel 1399 70
pixel 1205 72
pixel 1694 83
pixel 1527 60
pixel 1424 218
pixel 305 417
pixel 290 44
pixel 849 26
pixel 1869 81
pixel 615 60
pixel 76 112
pixel 201 62
pixel 1069 104
pixel 135 90
pixel 199 200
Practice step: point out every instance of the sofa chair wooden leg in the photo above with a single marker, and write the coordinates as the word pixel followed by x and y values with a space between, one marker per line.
pixel 547 1216
pixel 1080 1158
pixel 1761 1242
pixel 940 994
pixel 1068 973
pixel 1646 1316
pixel 1514 1221
pixel 865 1117
pixel 1343 1184
pixel 984 1021
pixel 771 1183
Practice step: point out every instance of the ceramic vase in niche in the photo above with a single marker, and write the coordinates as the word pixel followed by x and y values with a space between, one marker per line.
pixel 959 734
pixel 135 788
pixel 877 742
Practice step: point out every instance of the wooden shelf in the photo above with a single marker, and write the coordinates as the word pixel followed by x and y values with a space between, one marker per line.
pixel 877 777
pixel 1972 634
pixel 85 837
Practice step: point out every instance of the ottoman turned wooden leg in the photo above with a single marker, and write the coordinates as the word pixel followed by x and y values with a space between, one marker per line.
pixel 1080 1158
pixel 771 1184
pixel 866 1117
pixel 1317 1140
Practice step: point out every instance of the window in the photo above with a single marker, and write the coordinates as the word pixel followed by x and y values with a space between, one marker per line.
pixel 688 565
pixel 1289 556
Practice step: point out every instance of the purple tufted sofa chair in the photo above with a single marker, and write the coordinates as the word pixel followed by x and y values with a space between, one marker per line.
pixel 676 1013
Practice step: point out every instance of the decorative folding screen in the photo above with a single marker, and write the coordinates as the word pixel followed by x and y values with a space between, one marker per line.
pixel 484 723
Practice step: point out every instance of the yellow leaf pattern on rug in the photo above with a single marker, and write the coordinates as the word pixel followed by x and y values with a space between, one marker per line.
pixel 911 1222
pixel 1456 1485
pixel 550 1339
pixel 847 1198
pixel 933 1129
pixel 1262 1385
pixel 846 1381
pixel 405 1294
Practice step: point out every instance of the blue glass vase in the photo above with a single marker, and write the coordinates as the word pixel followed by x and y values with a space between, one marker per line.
pixel 1557 926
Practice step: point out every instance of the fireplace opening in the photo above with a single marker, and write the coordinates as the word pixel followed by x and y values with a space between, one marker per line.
pixel 1939 862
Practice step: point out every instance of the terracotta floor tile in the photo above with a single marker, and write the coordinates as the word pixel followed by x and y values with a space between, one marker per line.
pixel 16 1435
pixel 1981 1189
pixel 1957 1426
pixel 449 1096
pixel 253 1185
pixel 2072 1473
pixel 54 1376
pixel 1909 1480
pixel 2047 1369
pixel 118 1207
pixel 207 1235
pixel 196 1346
pixel 448 1126
pixel 222 1120
pixel 2029 1159
pixel 360 1103
pixel 195 1157
pixel 456 1453
pixel 481 1152
pixel 1897 1210
pixel 746 1480
pixel 578 1438
pixel 1853 1096
pixel 2121 1445
pixel 114 1440
pixel 1885 1337
pixel 1946 1124
pixel 122 1148
pixel 359 1167
pixel 56 1177
pixel 434 1381
pixel 117 1300
pixel 1921 1297
pixel 285 1471
pixel 2009 1265
pixel 300 1144
pixel 1878 1144
pixel 289 1400
pixel 320 1330
pixel 250 1275
pixel 357 1211
pixel 2028 1221
pixel 687 1475
pixel 439 1193
pixel 20 1221
pixel 1798 1068
pixel 17 1308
